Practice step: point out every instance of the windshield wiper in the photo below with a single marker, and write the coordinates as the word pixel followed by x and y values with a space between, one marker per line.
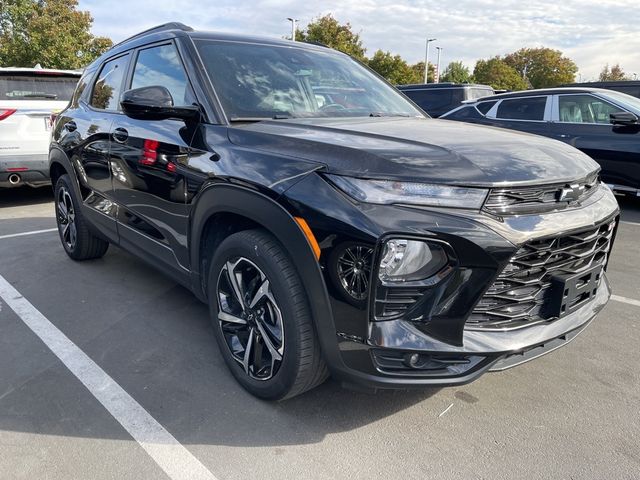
pixel 257 119
pixel 40 95
pixel 387 114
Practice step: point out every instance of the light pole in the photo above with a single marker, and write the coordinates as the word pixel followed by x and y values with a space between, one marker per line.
pixel 293 27
pixel 426 59
pixel 635 75
pixel 438 65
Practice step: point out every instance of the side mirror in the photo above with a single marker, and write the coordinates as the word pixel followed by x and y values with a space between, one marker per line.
pixel 155 103
pixel 623 118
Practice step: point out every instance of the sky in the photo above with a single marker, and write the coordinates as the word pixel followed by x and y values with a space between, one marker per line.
pixel 591 32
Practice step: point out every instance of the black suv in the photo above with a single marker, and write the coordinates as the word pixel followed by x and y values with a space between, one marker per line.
pixel 331 227
pixel 438 98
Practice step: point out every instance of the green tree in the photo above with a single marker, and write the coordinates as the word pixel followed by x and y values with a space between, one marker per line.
pixel 418 68
pixel 614 73
pixel 394 68
pixel 52 33
pixel 542 67
pixel 456 72
pixel 328 31
pixel 498 74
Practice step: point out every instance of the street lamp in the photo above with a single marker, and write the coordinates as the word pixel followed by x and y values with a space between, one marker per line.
pixel 426 59
pixel 438 65
pixel 293 27
pixel 635 75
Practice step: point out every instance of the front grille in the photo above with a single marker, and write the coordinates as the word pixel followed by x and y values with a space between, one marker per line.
pixel 522 293
pixel 541 198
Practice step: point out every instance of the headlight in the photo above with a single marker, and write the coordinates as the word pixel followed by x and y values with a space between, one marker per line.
pixel 410 260
pixel 410 193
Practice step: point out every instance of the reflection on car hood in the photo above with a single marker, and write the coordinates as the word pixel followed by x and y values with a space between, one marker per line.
pixel 418 149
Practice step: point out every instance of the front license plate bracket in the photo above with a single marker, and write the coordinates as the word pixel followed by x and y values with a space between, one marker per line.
pixel 571 292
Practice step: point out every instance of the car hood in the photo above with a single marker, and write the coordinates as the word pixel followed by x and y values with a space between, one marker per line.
pixel 418 149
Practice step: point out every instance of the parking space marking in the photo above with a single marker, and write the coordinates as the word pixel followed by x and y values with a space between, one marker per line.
pixel 33 232
pixel 630 223
pixel 176 461
pixel 629 301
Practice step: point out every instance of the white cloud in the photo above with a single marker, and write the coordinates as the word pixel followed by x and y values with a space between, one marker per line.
pixel 592 32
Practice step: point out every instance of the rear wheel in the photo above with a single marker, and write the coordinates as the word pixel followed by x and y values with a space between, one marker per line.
pixel 77 240
pixel 261 317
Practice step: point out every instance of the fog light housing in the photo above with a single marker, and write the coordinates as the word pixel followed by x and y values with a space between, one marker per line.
pixel 405 260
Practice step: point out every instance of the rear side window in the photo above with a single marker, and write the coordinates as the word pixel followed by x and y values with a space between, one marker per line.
pixel 473 93
pixel 528 108
pixel 161 66
pixel 40 86
pixel 108 86
pixel 484 107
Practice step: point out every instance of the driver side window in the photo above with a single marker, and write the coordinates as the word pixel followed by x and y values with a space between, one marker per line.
pixel 161 66
pixel 584 109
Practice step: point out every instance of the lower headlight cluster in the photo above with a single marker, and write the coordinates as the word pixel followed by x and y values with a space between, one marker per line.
pixel 405 260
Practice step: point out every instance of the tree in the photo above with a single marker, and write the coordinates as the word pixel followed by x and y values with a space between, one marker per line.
pixel 612 74
pixel 52 33
pixel 394 68
pixel 328 31
pixel 498 74
pixel 456 72
pixel 418 68
pixel 542 67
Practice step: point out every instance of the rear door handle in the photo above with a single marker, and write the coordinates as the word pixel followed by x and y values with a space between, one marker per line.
pixel 70 126
pixel 120 135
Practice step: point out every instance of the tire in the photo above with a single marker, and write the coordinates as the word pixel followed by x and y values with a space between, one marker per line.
pixel 77 240
pixel 278 324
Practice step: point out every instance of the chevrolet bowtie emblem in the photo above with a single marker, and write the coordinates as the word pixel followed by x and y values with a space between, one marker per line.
pixel 570 193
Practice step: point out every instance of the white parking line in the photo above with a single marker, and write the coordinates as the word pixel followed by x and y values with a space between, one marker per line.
pixel 630 223
pixel 629 301
pixel 176 461
pixel 33 232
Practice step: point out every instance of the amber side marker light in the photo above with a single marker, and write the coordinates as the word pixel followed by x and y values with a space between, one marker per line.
pixel 310 237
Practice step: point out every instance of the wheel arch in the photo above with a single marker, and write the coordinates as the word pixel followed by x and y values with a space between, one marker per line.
pixel 223 209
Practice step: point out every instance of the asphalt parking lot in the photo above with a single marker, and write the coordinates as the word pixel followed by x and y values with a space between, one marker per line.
pixel 571 414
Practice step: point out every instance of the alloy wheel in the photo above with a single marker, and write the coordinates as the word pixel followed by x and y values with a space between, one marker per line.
pixel 66 218
pixel 250 319
pixel 354 269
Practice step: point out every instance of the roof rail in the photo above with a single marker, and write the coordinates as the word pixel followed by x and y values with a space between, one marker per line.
pixel 159 28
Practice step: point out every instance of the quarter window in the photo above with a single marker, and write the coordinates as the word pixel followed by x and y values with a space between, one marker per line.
pixel 527 108
pixel 108 86
pixel 484 107
pixel 161 66
pixel 585 109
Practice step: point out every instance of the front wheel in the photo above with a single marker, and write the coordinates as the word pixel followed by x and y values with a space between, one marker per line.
pixel 261 317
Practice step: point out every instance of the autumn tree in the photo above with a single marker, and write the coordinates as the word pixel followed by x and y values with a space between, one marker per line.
pixel 53 33
pixel 498 74
pixel 394 68
pixel 615 73
pixel 456 72
pixel 328 31
pixel 542 67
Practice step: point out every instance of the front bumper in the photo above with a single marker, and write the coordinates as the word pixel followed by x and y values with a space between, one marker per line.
pixel 377 354
pixel 32 170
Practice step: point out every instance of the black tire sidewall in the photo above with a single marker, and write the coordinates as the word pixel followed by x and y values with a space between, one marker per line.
pixel 281 383
pixel 65 181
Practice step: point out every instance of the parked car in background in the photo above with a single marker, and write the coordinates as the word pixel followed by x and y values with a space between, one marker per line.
pixel 329 224
pixel 438 98
pixel 28 98
pixel 602 123
pixel 630 87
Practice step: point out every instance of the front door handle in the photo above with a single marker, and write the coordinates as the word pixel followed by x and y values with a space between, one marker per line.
pixel 70 126
pixel 120 135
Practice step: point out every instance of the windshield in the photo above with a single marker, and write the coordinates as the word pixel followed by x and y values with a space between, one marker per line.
pixel 623 99
pixel 267 81
pixel 37 87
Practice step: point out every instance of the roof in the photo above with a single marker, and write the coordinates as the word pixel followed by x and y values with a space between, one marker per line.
pixel 424 86
pixel 548 91
pixel 609 83
pixel 43 71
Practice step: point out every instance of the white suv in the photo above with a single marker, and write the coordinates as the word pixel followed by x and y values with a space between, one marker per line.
pixel 28 99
